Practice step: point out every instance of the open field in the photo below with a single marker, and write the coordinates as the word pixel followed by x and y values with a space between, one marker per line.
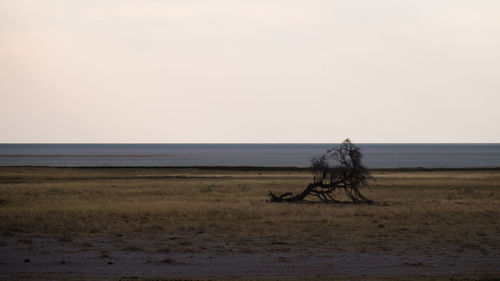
pixel 189 223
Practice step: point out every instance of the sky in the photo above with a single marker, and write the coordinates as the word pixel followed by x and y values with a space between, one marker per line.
pixel 271 71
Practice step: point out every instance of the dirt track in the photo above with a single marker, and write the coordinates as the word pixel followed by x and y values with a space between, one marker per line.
pixel 116 258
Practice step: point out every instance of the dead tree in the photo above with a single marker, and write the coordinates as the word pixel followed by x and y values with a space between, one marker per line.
pixel 338 168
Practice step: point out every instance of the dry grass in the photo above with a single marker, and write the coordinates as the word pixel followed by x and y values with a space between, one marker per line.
pixel 427 212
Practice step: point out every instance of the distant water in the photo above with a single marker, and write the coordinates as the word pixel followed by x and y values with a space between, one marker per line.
pixel 279 155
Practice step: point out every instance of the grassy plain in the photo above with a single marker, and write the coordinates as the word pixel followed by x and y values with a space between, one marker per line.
pixel 426 213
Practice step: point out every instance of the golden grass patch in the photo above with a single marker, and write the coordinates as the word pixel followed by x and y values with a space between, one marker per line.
pixel 425 211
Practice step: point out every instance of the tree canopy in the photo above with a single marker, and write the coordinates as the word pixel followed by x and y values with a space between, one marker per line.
pixel 339 168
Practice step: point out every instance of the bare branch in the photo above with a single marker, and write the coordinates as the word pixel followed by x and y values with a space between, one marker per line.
pixel 338 168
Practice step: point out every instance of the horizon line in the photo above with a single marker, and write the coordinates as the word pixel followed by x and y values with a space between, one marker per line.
pixel 2 143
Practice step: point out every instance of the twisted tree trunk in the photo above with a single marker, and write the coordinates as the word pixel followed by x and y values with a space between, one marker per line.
pixel 349 174
pixel 321 191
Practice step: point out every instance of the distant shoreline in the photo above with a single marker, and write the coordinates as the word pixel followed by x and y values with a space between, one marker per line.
pixel 247 156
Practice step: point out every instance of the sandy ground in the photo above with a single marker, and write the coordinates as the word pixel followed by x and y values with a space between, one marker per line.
pixel 112 259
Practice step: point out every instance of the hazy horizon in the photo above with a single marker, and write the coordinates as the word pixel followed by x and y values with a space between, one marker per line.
pixel 249 71
pixel 436 143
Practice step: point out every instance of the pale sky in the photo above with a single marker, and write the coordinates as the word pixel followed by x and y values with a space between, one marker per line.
pixel 249 71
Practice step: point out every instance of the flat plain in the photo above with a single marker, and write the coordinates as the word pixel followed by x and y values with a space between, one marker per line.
pixel 189 223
